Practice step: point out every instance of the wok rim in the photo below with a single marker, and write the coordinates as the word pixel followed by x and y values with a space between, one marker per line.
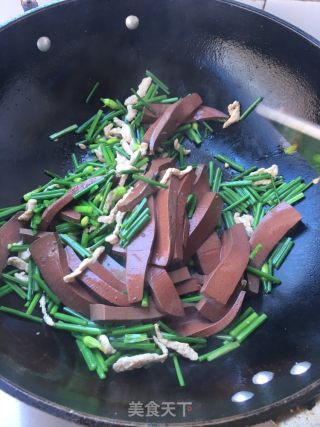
pixel 303 396
pixel 56 3
pixel 279 407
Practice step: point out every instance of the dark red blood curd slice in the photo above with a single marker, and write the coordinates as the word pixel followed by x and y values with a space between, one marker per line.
pixel 184 189
pixel 202 113
pixel 223 280
pixel 107 312
pixel 201 182
pixel 196 325
pixel 188 286
pixel 170 120
pixel 164 292
pixel 208 255
pixel 138 255
pixel 272 228
pixel 203 222
pixel 142 189
pixel 99 280
pixel 165 206
pixel 70 215
pixel 179 275
pixel 9 233
pixel 63 201
pixel 50 257
pixel 29 236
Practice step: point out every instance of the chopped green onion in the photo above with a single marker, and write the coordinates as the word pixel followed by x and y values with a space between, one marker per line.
pixel 238 202
pixel 5 290
pixel 91 342
pixel 255 251
pixel 83 252
pixel 263 275
pixel 92 91
pixel 149 327
pixel 105 194
pixel 85 190
pixel 122 152
pixel 189 340
pixel 112 359
pixel 87 355
pixel 33 303
pixel 18 291
pixel 258 215
pixel 110 103
pixel 70 319
pixel 54 309
pixel 165 327
pixel 135 214
pixel 244 173
pixel 63 132
pixel 145 300
pixel 13 247
pixel 74 161
pixel 194 136
pixel 135 338
pixel 285 249
pixel 87 210
pixel 191 205
pixel 228 219
pixel 217 180
pixel 242 183
pixel 20 314
pixel 237 329
pixel 125 230
pixel 239 319
pixel 211 170
pixel 218 352
pixel 94 125
pixel 193 298
pixel 149 181
pixel 13 280
pixel 158 82
pixel 231 163
pixel 251 327
pixel 10 211
pixel 295 199
pixel 79 329
pixel 178 370
pixel 82 128
pixel 251 108
pixel 74 313
pixel 169 100
pixel 42 284
pixel 46 195
pixel 146 347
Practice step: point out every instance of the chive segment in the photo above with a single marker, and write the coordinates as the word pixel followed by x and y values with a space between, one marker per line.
pixel 63 132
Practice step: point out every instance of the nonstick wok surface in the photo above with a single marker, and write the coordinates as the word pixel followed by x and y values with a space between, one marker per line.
pixel 224 52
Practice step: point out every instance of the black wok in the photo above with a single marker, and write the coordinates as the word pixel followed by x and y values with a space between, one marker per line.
pixel 223 51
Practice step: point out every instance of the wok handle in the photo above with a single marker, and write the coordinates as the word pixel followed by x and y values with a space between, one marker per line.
pixel 29 4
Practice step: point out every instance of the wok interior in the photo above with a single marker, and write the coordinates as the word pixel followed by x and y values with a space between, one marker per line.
pixel 223 52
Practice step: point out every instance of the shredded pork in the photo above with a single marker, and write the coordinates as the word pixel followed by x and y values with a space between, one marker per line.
pixel 176 172
pixel 30 206
pixel 47 319
pixel 246 220
pixel 272 170
pixel 106 347
pixel 234 112
pixel 17 262
pixel 182 348
pixel 84 265
pixel 128 363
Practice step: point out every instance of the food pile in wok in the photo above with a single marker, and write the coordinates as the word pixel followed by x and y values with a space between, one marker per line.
pixel 139 254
